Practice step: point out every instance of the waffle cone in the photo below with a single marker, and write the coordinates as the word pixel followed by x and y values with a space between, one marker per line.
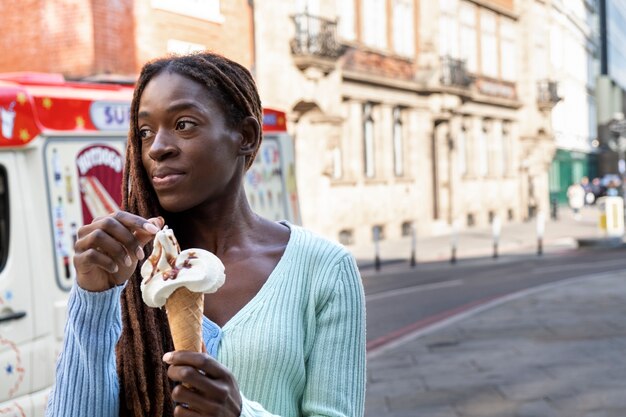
pixel 184 313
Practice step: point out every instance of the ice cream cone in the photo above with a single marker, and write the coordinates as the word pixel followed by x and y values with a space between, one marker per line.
pixel 184 313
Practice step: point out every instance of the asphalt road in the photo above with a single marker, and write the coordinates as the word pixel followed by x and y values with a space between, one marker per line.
pixel 399 298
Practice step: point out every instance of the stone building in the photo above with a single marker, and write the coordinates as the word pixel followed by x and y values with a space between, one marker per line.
pixel 407 113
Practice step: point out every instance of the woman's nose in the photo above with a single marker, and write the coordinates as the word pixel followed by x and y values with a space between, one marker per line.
pixel 163 146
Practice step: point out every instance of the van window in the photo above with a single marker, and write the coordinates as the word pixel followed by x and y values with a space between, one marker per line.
pixel 4 218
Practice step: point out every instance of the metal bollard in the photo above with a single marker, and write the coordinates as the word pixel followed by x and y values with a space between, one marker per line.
pixel 453 243
pixel 554 208
pixel 376 249
pixel 496 228
pixel 541 227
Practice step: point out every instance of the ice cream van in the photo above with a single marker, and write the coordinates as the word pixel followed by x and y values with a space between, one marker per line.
pixel 61 163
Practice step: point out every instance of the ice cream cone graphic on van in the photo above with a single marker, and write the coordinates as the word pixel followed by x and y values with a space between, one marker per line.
pixel 99 178
pixel 8 121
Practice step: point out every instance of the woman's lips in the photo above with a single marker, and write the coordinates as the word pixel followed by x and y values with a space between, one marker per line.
pixel 166 181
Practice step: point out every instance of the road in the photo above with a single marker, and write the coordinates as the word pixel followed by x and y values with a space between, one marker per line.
pixel 400 299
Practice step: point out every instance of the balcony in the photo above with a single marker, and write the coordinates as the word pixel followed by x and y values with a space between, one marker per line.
pixel 547 94
pixel 454 73
pixel 315 42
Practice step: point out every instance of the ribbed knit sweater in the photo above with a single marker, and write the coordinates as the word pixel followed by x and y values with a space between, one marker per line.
pixel 296 349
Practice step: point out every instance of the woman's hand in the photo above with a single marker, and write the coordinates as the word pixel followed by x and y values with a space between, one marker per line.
pixel 108 249
pixel 207 388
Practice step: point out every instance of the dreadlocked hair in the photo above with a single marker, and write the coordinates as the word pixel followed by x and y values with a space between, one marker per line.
pixel 145 389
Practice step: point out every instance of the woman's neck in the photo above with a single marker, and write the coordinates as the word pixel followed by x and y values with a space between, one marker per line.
pixel 216 227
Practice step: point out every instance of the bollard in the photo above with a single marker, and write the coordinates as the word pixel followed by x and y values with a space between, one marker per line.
pixel 554 208
pixel 453 243
pixel 541 227
pixel 376 249
pixel 496 228
pixel 413 246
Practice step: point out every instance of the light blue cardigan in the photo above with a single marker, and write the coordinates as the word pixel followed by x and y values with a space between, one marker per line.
pixel 296 349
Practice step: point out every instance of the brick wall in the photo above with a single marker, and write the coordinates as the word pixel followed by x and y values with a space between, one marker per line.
pixel 114 34
pixel 87 37
pixel 46 35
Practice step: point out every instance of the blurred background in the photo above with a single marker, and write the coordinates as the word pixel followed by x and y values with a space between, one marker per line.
pixel 470 153
pixel 405 114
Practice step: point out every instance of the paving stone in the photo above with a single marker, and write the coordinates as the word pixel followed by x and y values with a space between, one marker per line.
pixel 539 408
pixel 554 353
pixel 391 361
pixel 486 403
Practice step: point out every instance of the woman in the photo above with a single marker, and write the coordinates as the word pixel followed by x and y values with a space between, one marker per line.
pixel 285 335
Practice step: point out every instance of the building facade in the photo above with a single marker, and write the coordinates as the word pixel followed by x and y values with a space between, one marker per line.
pixel 409 114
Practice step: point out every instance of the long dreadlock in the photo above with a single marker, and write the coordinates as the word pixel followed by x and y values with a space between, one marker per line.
pixel 145 389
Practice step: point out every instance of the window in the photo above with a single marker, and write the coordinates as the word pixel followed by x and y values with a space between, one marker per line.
pixel 346 19
pixel 488 44
pixel 398 143
pixel 506 148
pixel 200 9
pixel 508 50
pixel 368 140
pixel 375 23
pixel 468 41
pixel 497 149
pixel 449 29
pixel 407 228
pixel 482 168
pixel 4 218
pixel 346 237
pixel 403 33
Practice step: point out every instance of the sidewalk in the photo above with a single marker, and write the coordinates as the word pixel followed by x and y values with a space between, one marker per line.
pixel 518 238
pixel 556 350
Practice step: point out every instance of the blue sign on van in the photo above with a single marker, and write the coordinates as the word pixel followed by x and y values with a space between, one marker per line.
pixel 107 115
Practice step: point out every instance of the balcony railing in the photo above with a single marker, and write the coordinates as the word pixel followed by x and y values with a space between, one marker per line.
pixel 454 73
pixel 547 93
pixel 315 36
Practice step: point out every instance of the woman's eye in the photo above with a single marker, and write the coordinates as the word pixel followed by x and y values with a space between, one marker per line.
pixel 184 125
pixel 145 133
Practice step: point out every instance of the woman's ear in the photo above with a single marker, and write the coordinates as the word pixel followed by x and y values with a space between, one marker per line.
pixel 250 136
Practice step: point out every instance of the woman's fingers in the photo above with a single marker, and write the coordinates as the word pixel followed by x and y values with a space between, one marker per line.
pixel 200 361
pixel 213 385
pixel 108 249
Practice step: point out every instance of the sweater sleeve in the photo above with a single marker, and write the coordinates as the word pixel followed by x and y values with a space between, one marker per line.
pixel 86 379
pixel 336 367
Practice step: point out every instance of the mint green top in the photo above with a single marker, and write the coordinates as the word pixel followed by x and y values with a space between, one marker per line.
pixel 296 349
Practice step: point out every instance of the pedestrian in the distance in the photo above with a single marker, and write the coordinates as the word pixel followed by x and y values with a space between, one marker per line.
pixel 576 198
pixel 284 336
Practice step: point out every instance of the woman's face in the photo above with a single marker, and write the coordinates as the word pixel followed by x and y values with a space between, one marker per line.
pixel 190 155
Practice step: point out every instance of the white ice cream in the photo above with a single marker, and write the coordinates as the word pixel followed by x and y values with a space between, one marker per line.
pixel 168 269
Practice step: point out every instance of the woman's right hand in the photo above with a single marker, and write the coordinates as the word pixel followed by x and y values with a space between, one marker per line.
pixel 108 249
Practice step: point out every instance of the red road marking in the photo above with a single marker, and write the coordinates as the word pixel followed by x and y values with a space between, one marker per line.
pixel 378 343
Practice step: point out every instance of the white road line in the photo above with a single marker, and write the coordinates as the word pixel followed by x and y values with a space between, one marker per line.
pixel 414 288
